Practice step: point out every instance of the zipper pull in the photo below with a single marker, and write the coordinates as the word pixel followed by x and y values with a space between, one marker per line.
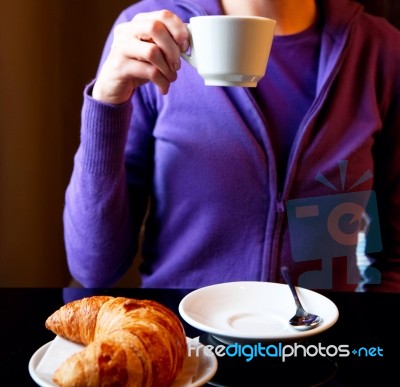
pixel 280 206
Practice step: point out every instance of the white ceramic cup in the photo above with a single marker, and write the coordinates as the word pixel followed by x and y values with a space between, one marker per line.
pixel 230 50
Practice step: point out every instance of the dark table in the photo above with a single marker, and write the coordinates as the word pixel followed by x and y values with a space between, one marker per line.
pixel 361 327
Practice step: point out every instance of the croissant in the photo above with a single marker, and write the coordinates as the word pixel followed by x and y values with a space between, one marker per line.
pixel 128 342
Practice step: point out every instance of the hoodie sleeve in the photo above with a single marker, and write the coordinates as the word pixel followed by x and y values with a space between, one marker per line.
pixel 105 201
pixel 96 223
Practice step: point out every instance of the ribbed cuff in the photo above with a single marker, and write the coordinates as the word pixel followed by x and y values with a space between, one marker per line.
pixel 104 129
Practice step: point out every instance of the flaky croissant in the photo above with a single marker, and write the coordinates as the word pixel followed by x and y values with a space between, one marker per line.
pixel 128 342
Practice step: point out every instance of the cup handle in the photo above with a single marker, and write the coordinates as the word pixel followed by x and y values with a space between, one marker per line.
pixel 190 58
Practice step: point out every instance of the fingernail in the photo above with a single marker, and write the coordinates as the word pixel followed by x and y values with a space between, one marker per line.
pixel 177 65
pixel 184 46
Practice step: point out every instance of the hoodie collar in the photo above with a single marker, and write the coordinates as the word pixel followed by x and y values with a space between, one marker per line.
pixel 201 7
pixel 338 15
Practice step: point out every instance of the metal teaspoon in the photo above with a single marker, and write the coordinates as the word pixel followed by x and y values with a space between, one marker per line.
pixel 302 319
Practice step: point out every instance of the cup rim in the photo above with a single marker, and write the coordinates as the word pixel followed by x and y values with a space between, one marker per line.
pixel 225 17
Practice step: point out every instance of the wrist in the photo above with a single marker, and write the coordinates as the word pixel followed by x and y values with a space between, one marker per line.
pixel 102 94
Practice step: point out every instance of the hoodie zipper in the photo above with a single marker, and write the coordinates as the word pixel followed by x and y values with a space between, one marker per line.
pixel 280 205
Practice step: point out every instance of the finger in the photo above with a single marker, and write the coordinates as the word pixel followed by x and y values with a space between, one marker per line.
pixel 147 72
pixel 166 30
pixel 123 72
pixel 172 22
pixel 142 71
pixel 144 51
pixel 158 41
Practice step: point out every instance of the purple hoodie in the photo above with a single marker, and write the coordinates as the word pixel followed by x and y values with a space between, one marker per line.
pixel 197 166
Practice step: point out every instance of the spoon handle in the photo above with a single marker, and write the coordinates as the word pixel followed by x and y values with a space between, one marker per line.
pixel 286 276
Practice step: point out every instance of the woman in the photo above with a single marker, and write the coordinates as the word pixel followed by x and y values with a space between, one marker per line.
pixel 217 172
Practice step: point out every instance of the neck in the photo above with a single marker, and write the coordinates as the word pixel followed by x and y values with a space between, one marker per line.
pixel 292 16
